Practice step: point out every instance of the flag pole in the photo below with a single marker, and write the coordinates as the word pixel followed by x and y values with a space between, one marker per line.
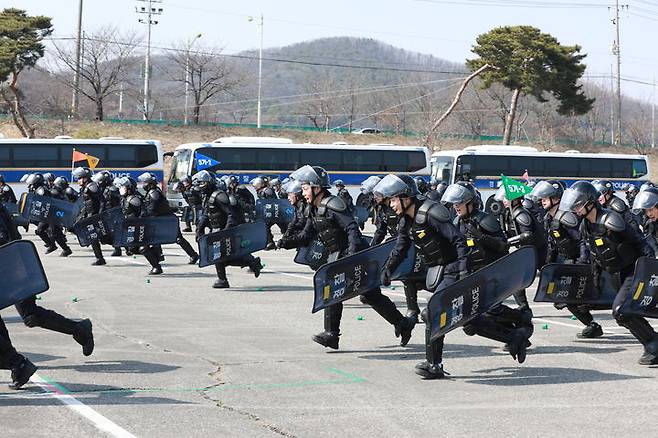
pixel 72 164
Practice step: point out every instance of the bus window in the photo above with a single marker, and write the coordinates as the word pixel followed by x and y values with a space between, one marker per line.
pixel 369 161
pixel 331 161
pixel 639 168
pixel 34 155
pixel 5 155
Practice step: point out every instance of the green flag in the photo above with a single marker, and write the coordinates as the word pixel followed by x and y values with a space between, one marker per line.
pixel 514 189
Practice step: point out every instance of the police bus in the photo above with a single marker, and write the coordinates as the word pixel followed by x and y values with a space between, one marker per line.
pixel 121 157
pixel 484 164
pixel 249 157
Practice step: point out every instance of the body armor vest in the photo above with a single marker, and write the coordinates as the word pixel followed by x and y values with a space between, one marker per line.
pixel 433 247
pixel 609 248
pixel 332 237
pixel 559 235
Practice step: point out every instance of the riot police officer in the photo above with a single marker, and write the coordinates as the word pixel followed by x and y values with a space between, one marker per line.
pixel 132 206
pixel 615 246
pixel 486 244
pixel 21 367
pixel 264 191
pixel 49 179
pixel 7 195
pixel 565 245
pixel 386 222
pixel 427 224
pixel 36 316
pixel 522 228
pixel 36 184
pixel 56 232
pixel 437 192
pixel 192 197
pixel 341 192
pixel 155 204
pixel 330 222
pixel 296 199
pixel 423 188
pixel 244 197
pixel 110 197
pixel 608 200
pixel 91 196
pixel 221 211
pixel 61 185
pixel 275 184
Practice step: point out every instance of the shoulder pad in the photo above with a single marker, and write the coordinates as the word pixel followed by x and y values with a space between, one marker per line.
pixel 113 189
pixel 567 218
pixel 41 191
pixel 135 201
pixel 232 200
pixel 155 194
pixel 5 188
pixel 455 221
pixel 617 205
pixel 221 196
pixel 70 190
pixel 613 221
pixel 522 216
pixel 93 187
pixel 488 222
pixel 438 212
pixel 527 203
pixel 335 203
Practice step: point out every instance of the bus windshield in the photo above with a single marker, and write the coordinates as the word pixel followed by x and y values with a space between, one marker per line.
pixel 442 168
pixel 180 165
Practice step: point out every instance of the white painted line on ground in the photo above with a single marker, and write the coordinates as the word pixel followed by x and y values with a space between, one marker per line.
pixel 287 274
pixel 100 422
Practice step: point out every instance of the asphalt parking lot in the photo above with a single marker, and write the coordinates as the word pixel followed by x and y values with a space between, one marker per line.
pixel 176 358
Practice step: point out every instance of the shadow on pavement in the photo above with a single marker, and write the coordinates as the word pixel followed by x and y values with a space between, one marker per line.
pixel 524 376
pixel 116 367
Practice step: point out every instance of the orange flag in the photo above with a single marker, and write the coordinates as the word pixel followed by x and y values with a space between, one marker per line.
pixel 81 156
pixel 78 156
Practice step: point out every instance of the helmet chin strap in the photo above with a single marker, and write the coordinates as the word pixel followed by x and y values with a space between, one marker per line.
pixel 405 210
pixel 591 207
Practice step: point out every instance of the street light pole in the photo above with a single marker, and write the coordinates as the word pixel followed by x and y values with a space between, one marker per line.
pixel 76 78
pixel 260 69
pixel 187 75
pixel 149 11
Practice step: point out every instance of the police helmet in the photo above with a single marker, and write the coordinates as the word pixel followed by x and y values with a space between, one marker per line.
pixel 646 185
pixel 421 184
pixel 274 182
pixel 315 176
pixel 402 186
pixel 339 183
pixel 185 180
pixel 35 180
pixel 458 194
pixel 603 186
pixel 369 184
pixel 147 179
pixel 646 199
pixel 546 189
pixel 293 187
pixel 49 177
pixel 82 172
pixel 61 183
pixel 578 195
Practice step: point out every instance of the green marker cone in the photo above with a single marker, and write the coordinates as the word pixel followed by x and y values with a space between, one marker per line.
pixel 392 287
pixel 573 317
pixel 74 299
pixel 134 256
pixel 360 318
pixel 260 289
pixel 38 297
pixel 148 280
pixel 544 327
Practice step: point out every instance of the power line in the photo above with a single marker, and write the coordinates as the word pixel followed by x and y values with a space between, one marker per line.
pixel 520 4
pixel 282 60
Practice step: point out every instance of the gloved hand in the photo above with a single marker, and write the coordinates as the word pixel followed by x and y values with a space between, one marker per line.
pixel 463 274
pixel 385 277
pixel 281 243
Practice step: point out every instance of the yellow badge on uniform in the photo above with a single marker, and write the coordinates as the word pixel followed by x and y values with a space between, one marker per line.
pixel 326 292
pixel 443 320
pixel 421 234
pixel 470 242
pixel 599 242
pixel 556 233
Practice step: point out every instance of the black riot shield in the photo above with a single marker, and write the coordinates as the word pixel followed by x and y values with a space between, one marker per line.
pixel 232 243
pixel 356 274
pixel 274 211
pixel 644 290
pixel 314 255
pixel 19 220
pixel 21 272
pixel 461 302
pixel 573 284
pixel 361 214
pixel 99 227
pixel 145 231
pixel 50 210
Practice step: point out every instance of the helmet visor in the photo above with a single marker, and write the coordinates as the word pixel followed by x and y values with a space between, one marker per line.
pixel 543 189
pixel 456 194
pixel 390 186
pixel 306 175
pixel 645 199
pixel 572 200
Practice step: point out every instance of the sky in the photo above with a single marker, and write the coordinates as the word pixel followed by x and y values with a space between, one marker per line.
pixel 444 28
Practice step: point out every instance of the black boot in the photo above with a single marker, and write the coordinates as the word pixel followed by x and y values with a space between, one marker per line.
pixel 256 266
pixel 650 356
pixel 432 367
pixel 66 252
pixel 221 284
pixel 404 328
pixel 327 339
pixel 51 249
pixel 411 296
pixel 21 373
pixel 593 330
pixel 156 270
pixel 84 336
pixel 100 261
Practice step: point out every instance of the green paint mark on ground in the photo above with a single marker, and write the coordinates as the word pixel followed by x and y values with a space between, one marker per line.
pixel 345 378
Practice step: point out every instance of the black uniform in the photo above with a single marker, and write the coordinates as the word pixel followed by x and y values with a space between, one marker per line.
pixel 222 211
pixel 7 195
pixel 298 222
pixel 519 223
pixel 440 244
pixel 618 205
pixel 386 222
pixel 346 197
pixel 615 246
pixel 268 193
pixel 192 196
pixel 57 231
pixel 246 201
pixel 336 228
pixel 155 204
pixel 92 196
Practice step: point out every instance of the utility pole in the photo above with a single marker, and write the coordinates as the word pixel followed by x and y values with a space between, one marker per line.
pixel 612 105
pixel 187 76
pixel 260 67
pixel 653 114
pixel 75 103
pixel 616 50
pixel 149 11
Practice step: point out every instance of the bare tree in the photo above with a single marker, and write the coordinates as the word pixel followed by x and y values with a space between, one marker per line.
pixel 206 72
pixel 106 58
pixel 321 104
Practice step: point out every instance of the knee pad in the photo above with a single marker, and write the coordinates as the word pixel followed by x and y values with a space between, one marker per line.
pixel 424 315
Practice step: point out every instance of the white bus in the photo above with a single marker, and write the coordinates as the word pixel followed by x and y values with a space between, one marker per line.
pixel 249 157
pixel 19 157
pixel 484 164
